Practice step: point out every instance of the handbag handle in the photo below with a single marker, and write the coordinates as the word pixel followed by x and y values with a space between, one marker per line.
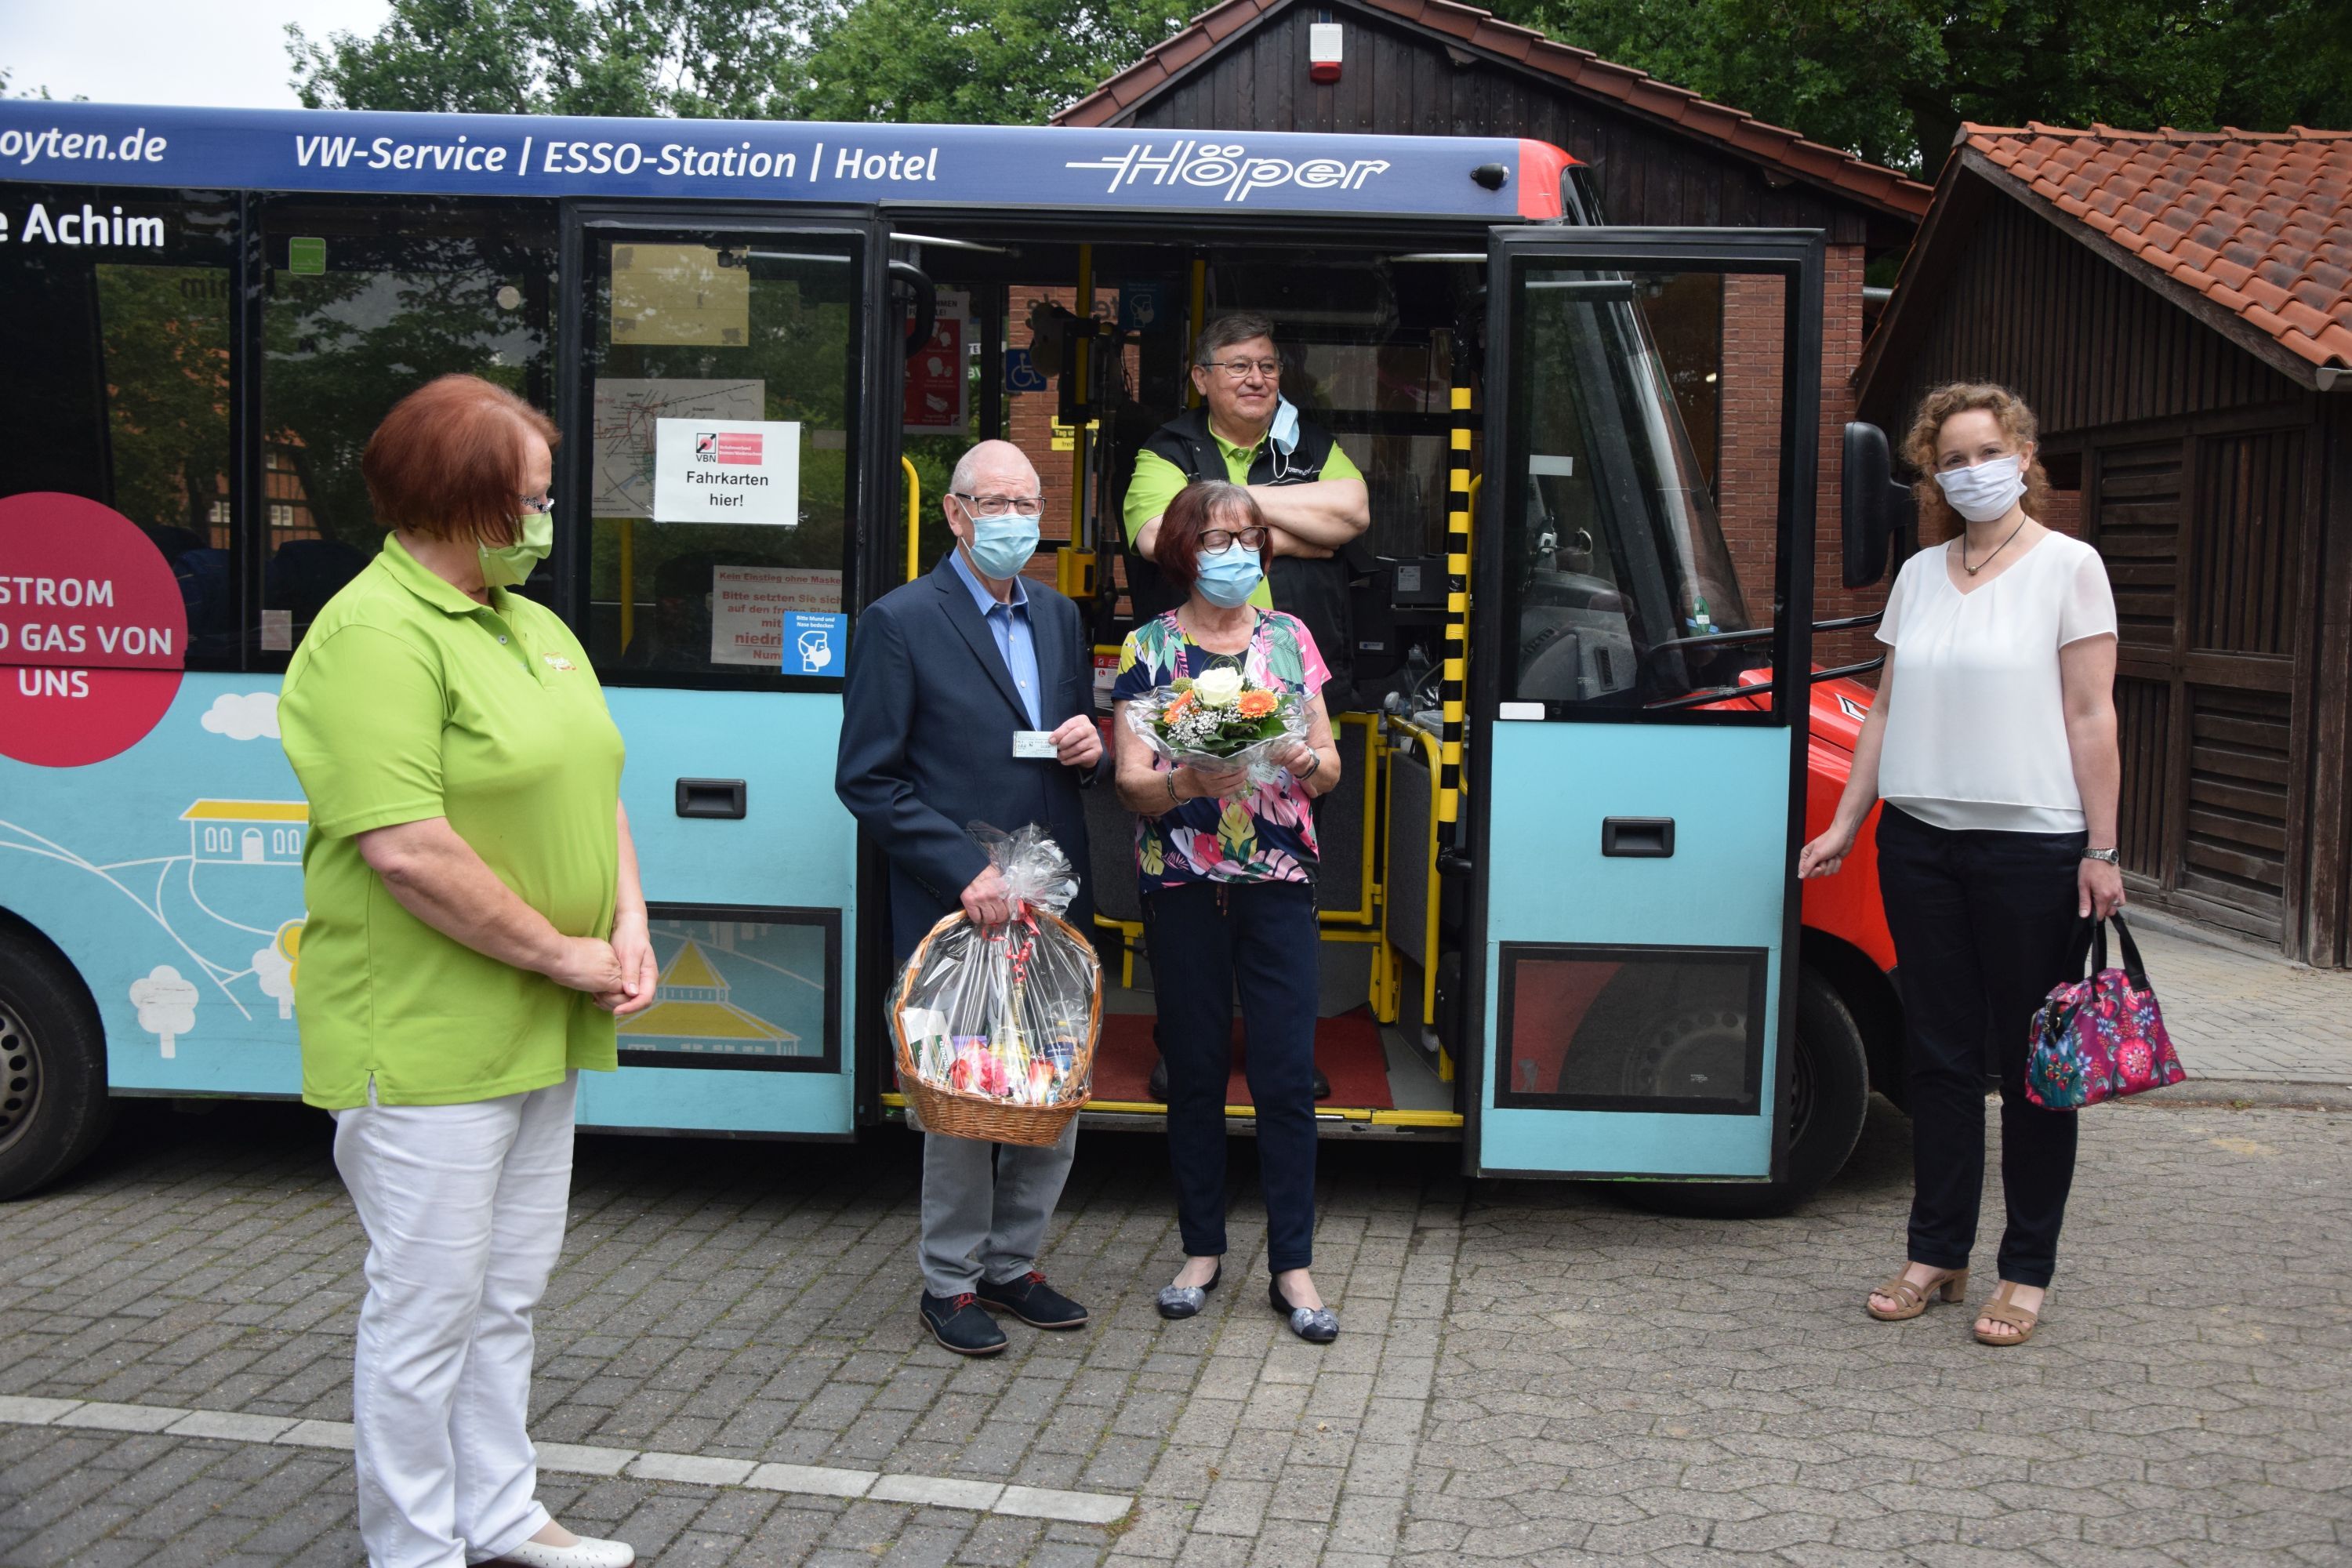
pixel 2135 970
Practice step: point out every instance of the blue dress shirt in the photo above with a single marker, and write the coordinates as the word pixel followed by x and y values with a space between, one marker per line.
pixel 1009 623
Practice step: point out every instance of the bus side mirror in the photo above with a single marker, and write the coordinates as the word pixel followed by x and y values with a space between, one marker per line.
pixel 1879 516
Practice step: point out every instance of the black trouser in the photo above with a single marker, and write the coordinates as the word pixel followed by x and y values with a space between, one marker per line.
pixel 1204 938
pixel 1984 925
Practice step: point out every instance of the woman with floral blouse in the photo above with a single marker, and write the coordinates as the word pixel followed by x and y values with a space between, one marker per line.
pixel 1227 870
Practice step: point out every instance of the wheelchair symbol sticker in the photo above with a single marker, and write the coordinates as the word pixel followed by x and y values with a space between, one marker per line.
pixel 1020 373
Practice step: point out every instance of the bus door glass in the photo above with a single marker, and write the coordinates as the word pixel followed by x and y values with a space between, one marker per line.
pixel 710 484
pixel 1637 707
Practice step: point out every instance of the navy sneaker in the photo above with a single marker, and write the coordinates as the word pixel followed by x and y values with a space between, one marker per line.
pixel 956 1322
pixel 1033 1301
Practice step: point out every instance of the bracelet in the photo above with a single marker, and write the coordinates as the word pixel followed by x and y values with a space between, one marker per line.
pixel 1314 765
pixel 1174 800
pixel 2110 856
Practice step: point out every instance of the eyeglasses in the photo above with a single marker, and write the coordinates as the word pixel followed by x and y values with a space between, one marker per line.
pixel 1240 369
pixel 1216 538
pixel 1000 506
pixel 538 503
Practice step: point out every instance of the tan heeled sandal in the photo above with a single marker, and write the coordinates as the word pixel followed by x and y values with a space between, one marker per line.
pixel 2003 1310
pixel 1950 1286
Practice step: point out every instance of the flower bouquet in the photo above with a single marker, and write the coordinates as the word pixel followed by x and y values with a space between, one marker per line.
pixel 996 1026
pixel 1218 720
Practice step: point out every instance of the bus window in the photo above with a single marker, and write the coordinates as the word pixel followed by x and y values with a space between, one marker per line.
pixel 366 304
pixel 1651 410
pixel 116 337
pixel 729 329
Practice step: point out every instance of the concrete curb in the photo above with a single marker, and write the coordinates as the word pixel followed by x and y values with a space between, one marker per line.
pixel 2250 1093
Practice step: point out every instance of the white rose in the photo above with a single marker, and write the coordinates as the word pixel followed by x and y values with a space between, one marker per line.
pixel 1220 688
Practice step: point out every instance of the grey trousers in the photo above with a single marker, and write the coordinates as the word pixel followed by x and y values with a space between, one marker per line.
pixel 985 1207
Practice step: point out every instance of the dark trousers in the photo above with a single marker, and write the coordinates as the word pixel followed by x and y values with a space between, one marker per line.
pixel 1984 925
pixel 1204 939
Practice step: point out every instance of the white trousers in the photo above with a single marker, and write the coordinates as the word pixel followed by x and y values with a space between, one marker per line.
pixel 464 1207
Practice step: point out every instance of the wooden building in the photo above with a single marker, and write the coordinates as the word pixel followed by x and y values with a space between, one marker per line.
pixel 1659 155
pixel 2177 311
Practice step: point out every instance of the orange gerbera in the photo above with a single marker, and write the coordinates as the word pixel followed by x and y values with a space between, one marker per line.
pixel 1175 709
pixel 1255 704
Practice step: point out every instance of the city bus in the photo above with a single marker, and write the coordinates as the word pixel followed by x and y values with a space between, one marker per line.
pixel 1584 733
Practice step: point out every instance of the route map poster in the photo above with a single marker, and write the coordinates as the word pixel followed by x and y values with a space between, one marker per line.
pixel 622 431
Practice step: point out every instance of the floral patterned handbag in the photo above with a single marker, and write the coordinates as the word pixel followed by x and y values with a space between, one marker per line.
pixel 2099 1039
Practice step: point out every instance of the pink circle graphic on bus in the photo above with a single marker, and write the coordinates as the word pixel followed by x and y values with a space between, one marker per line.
pixel 93 631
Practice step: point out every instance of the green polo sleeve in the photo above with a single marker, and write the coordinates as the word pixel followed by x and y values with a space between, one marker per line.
pixel 1340 466
pixel 361 715
pixel 1153 485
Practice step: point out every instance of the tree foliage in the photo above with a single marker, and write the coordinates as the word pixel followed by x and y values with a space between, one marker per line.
pixel 695 59
pixel 1892 79
pixel 976 62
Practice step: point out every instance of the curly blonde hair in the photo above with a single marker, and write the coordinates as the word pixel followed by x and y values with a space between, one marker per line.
pixel 1938 520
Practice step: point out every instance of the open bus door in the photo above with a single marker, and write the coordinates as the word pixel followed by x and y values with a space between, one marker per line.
pixel 746 354
pixel 1636 725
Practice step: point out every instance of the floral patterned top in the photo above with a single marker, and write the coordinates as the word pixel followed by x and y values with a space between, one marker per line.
pixel 1265 836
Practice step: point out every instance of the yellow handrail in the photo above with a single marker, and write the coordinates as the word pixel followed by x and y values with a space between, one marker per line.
pixel 914 518
pixel 1366 914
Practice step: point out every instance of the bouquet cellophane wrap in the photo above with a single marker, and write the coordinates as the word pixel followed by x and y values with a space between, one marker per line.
pixel 996 1026
pixel 1287 724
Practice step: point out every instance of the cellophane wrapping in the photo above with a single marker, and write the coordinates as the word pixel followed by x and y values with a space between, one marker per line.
pixel 1196 723
pixel 1006 1011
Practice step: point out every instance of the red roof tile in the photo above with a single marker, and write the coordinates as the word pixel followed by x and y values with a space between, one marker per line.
pixel 1724 127
pixel 2257 223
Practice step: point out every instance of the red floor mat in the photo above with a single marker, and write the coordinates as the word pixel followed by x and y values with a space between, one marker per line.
pixel 1347 1049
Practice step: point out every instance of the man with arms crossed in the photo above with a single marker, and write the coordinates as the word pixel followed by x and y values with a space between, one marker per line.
pixel 968 698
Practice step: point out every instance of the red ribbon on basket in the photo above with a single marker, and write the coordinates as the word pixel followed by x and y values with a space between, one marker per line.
pixel 1019 958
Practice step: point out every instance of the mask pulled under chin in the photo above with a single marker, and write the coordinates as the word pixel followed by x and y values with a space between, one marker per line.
pixel 1985 491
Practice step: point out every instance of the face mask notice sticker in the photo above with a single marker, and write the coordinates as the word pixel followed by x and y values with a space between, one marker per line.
pixel 748 606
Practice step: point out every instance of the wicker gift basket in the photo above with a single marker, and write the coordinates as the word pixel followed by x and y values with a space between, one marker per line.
pixel 996 1028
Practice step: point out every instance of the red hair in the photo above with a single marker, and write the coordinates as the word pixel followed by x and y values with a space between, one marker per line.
pixel 1199 507
pixel 447 462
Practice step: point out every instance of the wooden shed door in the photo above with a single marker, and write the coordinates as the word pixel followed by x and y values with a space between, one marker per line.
pixel 2201 541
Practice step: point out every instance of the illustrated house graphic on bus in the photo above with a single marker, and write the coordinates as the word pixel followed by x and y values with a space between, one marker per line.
pixel 247 832
pixel 691 1012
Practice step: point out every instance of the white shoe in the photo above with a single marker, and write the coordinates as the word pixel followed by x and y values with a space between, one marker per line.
pixel 587 1552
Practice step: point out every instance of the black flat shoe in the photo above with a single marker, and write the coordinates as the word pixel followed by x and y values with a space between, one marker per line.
pixel 1315 1325
pixel 1186 1301
pixel 956 1322
pixel 1033 1301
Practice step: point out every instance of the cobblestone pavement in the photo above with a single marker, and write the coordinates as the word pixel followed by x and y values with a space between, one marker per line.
pixel 2243 1015
pixel 1529 1372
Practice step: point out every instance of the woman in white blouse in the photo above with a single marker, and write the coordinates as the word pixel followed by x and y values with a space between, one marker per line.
pixel 1999 767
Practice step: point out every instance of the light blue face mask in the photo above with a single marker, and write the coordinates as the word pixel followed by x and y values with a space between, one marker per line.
pixel 1284 432
pixel 509 564
pixel 1230 576
pixel 1001 546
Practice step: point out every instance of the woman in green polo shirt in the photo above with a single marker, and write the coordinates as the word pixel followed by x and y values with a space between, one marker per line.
pixel 475 924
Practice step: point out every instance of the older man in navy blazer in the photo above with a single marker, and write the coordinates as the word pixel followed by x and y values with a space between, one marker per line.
pixel 970 697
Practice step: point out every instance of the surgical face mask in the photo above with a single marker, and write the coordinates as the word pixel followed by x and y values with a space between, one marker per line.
pixel 1230 576
pixel 509 564
pixel 1284 432
pixel 1001 546
pixel 1985 491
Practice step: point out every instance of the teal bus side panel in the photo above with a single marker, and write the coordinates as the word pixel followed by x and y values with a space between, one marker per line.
pixel 173 873
pixel 1550 786
pixel 169 872
pixel 796 848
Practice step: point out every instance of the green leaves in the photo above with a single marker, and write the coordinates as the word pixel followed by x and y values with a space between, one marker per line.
pixel 1892 79
pixel 962 61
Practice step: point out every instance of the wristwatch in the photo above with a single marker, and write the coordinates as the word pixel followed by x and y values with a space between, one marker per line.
pixel 2112 856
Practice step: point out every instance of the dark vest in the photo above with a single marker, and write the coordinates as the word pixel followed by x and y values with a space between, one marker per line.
pixel 1314 591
